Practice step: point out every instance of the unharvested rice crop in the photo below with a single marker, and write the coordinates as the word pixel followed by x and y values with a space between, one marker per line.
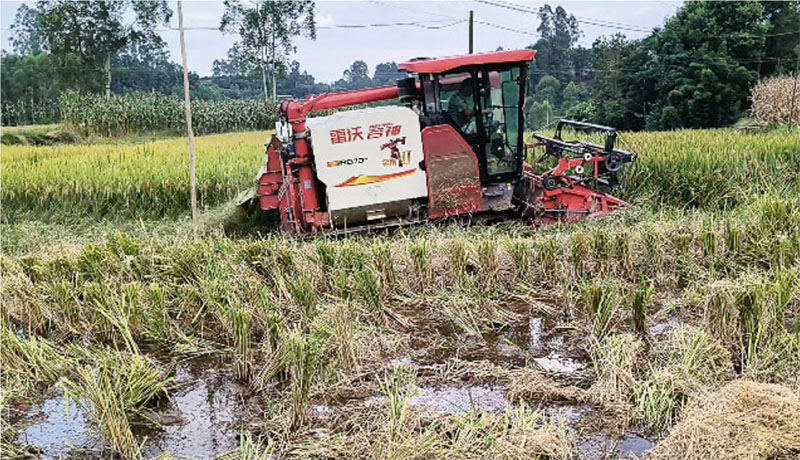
pixel 686 169
pixel 108 180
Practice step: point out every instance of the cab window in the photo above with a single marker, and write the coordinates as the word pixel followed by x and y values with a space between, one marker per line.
pixel 456 99
pixel 500 100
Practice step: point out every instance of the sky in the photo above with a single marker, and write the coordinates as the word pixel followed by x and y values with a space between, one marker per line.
pixel 337 47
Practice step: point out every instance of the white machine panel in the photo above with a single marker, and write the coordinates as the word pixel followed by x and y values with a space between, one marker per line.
pixel 368 156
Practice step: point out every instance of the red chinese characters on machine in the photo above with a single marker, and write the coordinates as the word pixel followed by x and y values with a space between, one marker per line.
pixel 345 135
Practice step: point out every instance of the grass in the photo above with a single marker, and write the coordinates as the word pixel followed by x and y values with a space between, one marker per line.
pixel 109 310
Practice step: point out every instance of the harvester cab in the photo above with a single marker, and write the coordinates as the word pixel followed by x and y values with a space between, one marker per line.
pixel 453 145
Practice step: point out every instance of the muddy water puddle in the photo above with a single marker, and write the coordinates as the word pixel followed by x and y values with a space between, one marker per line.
pixel 460 399
pixel 200 421
pixel 56 433
pixel 527 339
pixel 598 446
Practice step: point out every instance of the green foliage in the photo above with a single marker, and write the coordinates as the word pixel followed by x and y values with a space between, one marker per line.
pixel 547 90
pixel 571 96
pixel 259 25
pixel 147 112
pixel 582 111
pixel 677 78
pixel 540 114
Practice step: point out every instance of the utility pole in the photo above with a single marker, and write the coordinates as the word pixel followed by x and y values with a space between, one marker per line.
pixel 189 131
pixel 274 70
pixel 471 28
pixel 794 85
pixel 108 75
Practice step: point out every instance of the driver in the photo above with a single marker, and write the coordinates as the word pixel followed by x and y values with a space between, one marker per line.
pixel 460 105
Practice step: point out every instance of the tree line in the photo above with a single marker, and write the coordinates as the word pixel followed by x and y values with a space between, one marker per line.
pixel 694 71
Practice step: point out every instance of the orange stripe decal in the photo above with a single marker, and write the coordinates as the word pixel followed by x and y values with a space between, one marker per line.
pixel 364 180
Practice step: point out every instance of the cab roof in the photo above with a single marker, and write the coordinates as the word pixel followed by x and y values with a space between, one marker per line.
pixel 440 65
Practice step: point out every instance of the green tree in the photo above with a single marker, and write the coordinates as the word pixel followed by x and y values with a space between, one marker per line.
pixel 300 83
pixel 547 90
pixel 26 32
pixel 94 31
pixel 540 115
pixel 386 73
pixel 582 111
pixel 147 68
pixel 571 96
pixel 559 33
pixel 783 40
pixel 356 76
pixel 266 30
pixel 706 76
pixel 694 72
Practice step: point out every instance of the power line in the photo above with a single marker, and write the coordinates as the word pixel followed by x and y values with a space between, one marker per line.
pixel 589 21
pixel 622 26
pixel 477 21
pixel 395 24
pixel 415 10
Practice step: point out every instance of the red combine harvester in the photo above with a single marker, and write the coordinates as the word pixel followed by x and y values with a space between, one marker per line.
pixel 452 146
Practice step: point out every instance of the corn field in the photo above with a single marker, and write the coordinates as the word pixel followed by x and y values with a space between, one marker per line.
pixel 30 112
pixel 772 101
pixel 150 112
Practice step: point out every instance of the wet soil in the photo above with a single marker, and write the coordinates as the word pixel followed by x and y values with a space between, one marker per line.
pixel 203 417
pixel 200 421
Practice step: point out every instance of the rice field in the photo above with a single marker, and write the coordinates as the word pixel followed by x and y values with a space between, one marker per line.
pixel 146 180
pixel 671 330
pixel 686 169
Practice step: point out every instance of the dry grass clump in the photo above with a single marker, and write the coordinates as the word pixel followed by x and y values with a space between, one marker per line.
pixel 691 363
pixel 772 101
pixel 742 420
pixel 535 387
pixel 616 360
